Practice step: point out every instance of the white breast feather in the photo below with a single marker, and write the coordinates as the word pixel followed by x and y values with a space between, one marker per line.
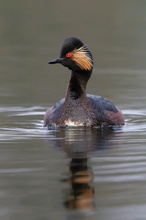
pixel 72 123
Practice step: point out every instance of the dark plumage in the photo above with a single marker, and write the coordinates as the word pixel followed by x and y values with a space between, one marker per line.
pixel 79 108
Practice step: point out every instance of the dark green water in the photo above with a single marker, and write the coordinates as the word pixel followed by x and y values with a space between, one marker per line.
pixel 71 173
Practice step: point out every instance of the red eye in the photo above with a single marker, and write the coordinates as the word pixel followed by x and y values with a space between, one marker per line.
pixel 68 54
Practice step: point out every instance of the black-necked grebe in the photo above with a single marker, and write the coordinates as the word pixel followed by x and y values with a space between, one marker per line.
pixel 79 108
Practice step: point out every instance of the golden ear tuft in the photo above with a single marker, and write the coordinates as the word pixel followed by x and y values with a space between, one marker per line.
pixel 83 60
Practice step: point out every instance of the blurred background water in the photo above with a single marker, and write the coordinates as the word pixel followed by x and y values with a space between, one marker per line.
pixel 73 173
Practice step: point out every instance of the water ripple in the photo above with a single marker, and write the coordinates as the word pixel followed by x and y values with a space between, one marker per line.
pixel 22 122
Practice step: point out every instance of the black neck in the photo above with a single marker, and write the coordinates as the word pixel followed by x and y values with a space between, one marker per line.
pixel 77 84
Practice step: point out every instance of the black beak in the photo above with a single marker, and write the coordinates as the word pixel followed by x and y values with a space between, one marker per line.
pixel 58 60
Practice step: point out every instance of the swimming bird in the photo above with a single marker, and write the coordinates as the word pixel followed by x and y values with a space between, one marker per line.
pixel 79 108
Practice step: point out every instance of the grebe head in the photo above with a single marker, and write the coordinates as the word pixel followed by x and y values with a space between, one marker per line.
pixel 75 55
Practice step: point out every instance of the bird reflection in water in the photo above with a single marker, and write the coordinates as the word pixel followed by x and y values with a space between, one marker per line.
pixel 79 145
pixel 80 195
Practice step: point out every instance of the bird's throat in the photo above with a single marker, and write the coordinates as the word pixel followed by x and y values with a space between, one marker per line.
pixel 77 85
